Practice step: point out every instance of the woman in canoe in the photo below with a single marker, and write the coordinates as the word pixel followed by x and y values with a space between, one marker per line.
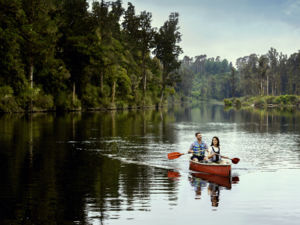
pixel 214 150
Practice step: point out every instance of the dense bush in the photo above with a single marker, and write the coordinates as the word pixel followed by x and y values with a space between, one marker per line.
pixel 65 102
pixel 44 102
pixel 227 102
pixel 270 99
pixel 9 104
pixel 91 96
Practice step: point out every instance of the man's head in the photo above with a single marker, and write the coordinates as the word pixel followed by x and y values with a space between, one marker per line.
pixel 198 136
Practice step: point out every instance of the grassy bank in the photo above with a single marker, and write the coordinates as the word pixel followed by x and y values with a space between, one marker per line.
pixel 282 101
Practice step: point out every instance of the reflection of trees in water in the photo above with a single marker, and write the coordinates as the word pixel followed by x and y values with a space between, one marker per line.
pixel 271 120
pixel 45 178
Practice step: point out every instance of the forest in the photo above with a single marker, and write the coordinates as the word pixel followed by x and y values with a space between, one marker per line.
pixel 270 74
pixel 69 55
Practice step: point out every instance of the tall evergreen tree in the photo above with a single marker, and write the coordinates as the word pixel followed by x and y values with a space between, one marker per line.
pixel 12 71
pixel 167 50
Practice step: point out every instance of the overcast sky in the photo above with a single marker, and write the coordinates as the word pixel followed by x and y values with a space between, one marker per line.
pixel 230 28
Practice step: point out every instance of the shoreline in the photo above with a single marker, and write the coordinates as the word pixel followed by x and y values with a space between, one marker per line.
pixel 267 102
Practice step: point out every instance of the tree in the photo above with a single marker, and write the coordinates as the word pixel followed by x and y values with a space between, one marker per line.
pixel 145 43
pixel 293 64
pixel 139 34
pixel 75 28
pixel 12 71
pixel 273 60
pixel 233 81
pixel 263 66
pixel 167 50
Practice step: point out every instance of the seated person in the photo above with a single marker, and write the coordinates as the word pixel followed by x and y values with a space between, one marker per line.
pixel 198 148
pixel 214 151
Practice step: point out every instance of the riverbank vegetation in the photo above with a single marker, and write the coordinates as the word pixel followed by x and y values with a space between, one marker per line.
pixel 67 55
pixel 282 101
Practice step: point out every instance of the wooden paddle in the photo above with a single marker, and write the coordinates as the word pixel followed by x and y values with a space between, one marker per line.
pixel 233 160
pixel 175 155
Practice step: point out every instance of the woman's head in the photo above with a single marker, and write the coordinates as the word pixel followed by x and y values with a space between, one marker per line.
pixel 215 141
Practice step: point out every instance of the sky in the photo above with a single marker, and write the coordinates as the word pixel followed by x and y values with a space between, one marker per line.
pixel 230 28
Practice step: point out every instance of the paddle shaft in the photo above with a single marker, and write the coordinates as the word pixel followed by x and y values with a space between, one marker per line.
pixel 233 160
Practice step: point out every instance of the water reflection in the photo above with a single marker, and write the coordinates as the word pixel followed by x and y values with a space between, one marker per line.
pixel 202 181
pixel 213 184
pixel 82 168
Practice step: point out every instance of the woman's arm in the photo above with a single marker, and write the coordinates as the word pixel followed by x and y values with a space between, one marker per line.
pixel 210 153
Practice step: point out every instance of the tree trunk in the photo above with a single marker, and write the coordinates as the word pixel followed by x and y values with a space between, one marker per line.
pixel 31 68
pixel 74 92
pixel 101 82
pixel 31 74
pixel 267 84
pixel 144 77
pixel 113 92
pixel 145 83
pixel 144 80
pixel 261 87
pixel 162 95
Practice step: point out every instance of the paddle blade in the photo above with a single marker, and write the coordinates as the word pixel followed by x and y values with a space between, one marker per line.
pixel 173 174
pixel 174 155
pixel 235 179
pixel 235 160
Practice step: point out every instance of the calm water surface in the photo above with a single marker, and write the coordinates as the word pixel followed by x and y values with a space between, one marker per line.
pixel 111 168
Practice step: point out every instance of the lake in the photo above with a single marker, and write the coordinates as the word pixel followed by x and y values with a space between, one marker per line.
pixel 112 167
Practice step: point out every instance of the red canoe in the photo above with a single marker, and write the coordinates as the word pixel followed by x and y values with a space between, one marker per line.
pixel 220 169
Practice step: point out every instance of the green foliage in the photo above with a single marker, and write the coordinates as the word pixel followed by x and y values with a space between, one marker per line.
pixel 270 99
pixel 91 96
pixel 283 101
pixel 259 102
pixel 287 99
pixel 27 97
pixel 51 51
pixel 206 78
pixel 167 51
pixel 44 102
pixel 237 103
pixel 6 91
pixel 65 102
pixel 121 105
pixel 227 102
pixel 9 105
pixel 7 100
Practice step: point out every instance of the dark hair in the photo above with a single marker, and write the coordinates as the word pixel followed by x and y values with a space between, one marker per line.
pixel 197 134
pixel 217 140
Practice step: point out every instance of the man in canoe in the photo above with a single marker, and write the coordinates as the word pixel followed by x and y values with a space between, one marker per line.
pixel 198 148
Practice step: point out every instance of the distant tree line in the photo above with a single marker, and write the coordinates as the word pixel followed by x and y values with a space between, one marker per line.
pixel 270 74
pixel 63 54
pixel 205 78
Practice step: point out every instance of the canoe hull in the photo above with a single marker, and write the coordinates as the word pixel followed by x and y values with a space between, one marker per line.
pixel 223 170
